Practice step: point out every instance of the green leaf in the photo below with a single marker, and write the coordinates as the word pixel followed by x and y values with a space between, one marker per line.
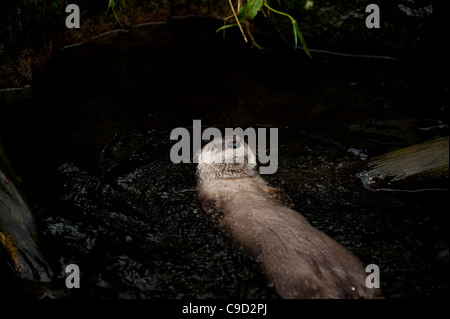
pixel 295 33
pixel 300 36
pixel 253 7
pixel 242 13
pixel 226 27
pixel 111 5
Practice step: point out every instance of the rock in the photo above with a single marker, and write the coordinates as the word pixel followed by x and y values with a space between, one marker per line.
pixel 422 166
pixel 405 26
pixel 18 234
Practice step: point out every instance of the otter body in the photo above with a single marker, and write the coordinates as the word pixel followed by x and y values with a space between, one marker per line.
pixel 299 260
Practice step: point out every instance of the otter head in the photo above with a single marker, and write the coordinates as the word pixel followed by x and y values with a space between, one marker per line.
pixel 228 157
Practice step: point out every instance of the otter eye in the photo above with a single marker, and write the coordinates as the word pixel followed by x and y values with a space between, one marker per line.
pixel 234 144
pixel 216 145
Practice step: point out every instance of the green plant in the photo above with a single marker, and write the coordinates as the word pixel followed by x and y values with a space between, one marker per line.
pixel 112 6
pixel 248 11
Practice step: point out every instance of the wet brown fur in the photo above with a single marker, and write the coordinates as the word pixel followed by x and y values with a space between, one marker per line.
pixel 300 261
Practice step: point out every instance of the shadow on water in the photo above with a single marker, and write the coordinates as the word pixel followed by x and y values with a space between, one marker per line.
pixel 93 149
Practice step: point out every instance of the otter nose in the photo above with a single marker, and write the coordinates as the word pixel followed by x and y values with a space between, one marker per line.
pixel 234 144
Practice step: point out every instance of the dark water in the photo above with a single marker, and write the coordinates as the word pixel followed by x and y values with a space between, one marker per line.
pixel 92 147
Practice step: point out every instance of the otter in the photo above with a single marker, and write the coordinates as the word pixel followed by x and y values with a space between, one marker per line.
pixel 298 260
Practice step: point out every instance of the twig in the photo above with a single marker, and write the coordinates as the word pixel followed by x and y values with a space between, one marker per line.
pixel 237 21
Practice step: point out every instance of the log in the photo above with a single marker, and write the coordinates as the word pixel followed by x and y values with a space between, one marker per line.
pixel 419 167
pixel 18 236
